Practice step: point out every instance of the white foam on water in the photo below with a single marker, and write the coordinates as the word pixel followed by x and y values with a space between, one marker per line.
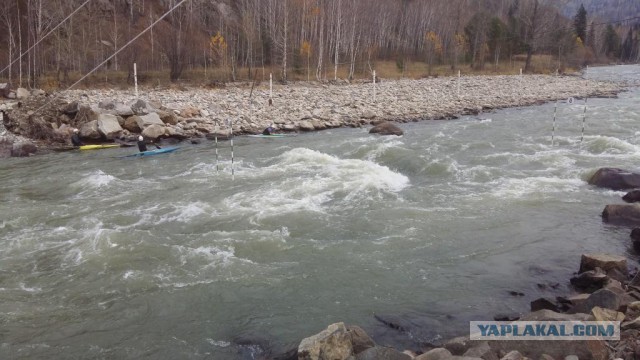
pixel 94 180
pixel 30 289
pixel 218 343
pixel 599 144
pixel 313 179
pixel 74 256
pixel 186 212
pixel 382 147
pixel 546 187
pixel 207 255
pixel 201 172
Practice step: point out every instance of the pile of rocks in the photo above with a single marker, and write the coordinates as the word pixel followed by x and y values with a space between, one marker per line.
pixel 104 115
pixel 606 292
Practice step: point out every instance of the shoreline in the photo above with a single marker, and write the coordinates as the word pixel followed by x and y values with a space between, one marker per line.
pixel 195 113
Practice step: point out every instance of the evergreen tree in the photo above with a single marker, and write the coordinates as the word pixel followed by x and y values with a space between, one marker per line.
pixel 611 42
pixel 580 24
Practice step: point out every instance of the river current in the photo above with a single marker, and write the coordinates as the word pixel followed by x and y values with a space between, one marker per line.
pixel 185 256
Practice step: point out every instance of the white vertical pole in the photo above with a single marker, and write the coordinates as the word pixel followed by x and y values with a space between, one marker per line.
pixel 553 130
pixel 584 116
pixel 216 138
pixel 520 71
pixel 135 79
pixel 458 83
pixel 374 86
pixel 231 134
pixel 270 86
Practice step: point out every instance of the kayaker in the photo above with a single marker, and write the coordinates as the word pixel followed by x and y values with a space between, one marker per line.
pixel 142 145
pixel 269 130
pixel 75 138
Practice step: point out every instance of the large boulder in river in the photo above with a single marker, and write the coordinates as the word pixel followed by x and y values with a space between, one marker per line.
pixel 141 107
pixel 131 124
pixel 306 126
pixel 148 120
pixel 168 117
pixel 23 148
pixel 386 128
pixel 615 179
pixel 109 126
pixel 622 214
pixel 153 131
pixel 329 344
pixel 90 130
pixel 632 196
pixel 605 262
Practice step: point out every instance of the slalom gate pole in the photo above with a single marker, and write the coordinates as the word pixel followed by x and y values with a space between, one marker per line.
pixel 553 129
pixel 584 116
pixel 216 139
pixel 135 79
pixel 231 134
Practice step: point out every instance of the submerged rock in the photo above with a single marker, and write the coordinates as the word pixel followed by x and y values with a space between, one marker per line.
pixel 386 128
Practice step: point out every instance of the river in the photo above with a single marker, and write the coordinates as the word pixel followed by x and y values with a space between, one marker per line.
pixel 180 256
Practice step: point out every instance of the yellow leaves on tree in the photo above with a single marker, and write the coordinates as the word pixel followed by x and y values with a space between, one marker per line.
pixel 432 42
pixel 460 41
pixel 218 46
pixel 579 42
pixel 305 48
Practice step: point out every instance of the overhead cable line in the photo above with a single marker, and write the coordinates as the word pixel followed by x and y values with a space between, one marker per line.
pixel 616 21
pixel 118 51
pixel 42 38
pixel 127 44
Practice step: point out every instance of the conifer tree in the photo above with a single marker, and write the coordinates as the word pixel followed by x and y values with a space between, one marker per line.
pixel 580 24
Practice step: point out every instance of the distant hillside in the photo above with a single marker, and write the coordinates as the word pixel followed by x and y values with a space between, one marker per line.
pixel 606 10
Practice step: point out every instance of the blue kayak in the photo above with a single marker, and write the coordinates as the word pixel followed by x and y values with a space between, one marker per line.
pixel 154 152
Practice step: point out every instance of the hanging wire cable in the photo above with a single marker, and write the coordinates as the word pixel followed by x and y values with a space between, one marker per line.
pixel 127 44
pixel 44 37
pixel 617 21
pixel 117 51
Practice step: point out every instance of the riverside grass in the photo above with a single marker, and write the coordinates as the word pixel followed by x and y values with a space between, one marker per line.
pixel 212 77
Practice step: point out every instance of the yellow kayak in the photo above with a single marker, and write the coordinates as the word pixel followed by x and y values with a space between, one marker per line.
pixel 96 147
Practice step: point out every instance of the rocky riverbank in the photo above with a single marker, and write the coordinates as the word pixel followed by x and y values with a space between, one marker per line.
pixel 606 287
pixel 183 113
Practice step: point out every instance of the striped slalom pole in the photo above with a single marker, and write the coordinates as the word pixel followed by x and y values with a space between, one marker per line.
pixel 135 79
pixel 217 164
pixel 584 117
pixel 553 129
pixel 231 135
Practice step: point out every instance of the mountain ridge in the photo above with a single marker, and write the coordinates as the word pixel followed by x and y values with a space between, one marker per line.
pixel 601 10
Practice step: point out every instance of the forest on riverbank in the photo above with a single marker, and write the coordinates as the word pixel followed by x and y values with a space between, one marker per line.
pixel 57 44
